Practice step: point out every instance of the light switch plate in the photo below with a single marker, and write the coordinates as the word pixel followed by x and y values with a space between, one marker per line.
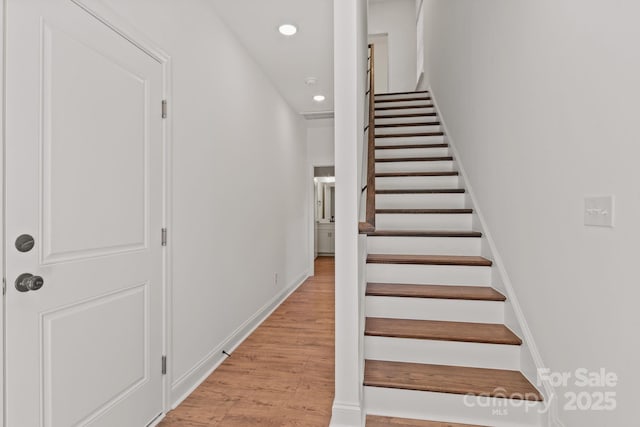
pixel 598 211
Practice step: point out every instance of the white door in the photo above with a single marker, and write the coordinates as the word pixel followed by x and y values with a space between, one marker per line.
pixel 84 178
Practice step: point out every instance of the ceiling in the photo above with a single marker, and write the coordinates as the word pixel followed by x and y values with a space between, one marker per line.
pixel 288 61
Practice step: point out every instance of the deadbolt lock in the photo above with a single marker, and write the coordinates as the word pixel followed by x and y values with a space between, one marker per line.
pixel 24 243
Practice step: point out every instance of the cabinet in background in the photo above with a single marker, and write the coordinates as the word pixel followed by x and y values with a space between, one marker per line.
pixel 326 238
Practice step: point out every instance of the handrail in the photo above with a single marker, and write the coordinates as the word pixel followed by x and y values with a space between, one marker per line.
pixel 369 225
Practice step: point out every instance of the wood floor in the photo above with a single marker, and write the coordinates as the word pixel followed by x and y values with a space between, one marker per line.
pixel 282 375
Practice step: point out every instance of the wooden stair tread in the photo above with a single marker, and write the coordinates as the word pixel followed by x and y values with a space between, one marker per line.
pixel 430 233
pixel 409 135
pixel 402 174
pixel 400 125
pixel 407 146
pixel 405 107
pixel 401 93
pixel 423 191
pixel 424 211
pixel 475 261
pixel 487 333
pixel 471 293
pixel 374 421
pixel 416 159
pixel 405 115
pixel 450 379
pixel 424 98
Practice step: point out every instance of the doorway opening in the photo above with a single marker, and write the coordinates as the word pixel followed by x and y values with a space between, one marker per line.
pixel 381 43
pixel 324 184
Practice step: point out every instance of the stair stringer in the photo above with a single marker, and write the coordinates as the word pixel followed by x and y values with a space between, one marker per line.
pixel 530 359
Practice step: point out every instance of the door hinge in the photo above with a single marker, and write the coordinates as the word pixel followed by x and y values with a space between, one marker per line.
pixel 164 108
pixel 4 286
pixel 164 237
pixel 164 365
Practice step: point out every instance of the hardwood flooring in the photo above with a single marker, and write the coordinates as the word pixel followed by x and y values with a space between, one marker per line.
pixel 474 293
pixel 449 379
pixel 476 261
pixel 282 375
pixel 424 211
pixel 430 233
pixel 489 333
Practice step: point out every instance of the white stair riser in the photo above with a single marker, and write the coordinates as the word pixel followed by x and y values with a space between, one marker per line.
pixel 420 103
pixel 383 96
pixel 431 166
pixel 407 129
pixel 449 310
pixel 452 408
pixel 419 119
pixel 424 222
pixel 396 140
pixel 412 152
pixel 429 274
pixel 420 201
pixel 475 355
pixel 416 182
pixel 424 245
pixel 421 110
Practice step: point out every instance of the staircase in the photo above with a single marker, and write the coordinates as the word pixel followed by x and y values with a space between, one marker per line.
pixel 436 348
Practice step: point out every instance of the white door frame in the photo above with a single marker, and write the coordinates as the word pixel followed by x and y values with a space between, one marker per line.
pixel 371 38
pixel 312 222
pixel 2 242
pixel 117 23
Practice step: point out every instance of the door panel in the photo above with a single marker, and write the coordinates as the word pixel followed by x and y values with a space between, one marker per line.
pixel 84 178
pixel 122 317
pixel 74 75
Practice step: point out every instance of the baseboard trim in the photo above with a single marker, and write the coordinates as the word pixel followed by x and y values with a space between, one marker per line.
pixel 157 420
pixel 420 82
pixel 347 415
pixel 551 399
pixel 187 383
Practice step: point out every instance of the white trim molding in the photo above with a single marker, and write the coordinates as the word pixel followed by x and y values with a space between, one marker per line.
pixel 3 15
pixel 347 415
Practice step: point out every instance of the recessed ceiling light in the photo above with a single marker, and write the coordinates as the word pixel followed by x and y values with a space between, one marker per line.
pixel 319 98
pixel 288 29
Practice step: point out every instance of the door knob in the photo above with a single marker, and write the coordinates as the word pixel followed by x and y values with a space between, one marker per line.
pixel 28 282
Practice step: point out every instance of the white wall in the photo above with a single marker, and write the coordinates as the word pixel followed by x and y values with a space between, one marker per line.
pixel 541 99
pixel 398 19
pixel 240 200
pixel 320 138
